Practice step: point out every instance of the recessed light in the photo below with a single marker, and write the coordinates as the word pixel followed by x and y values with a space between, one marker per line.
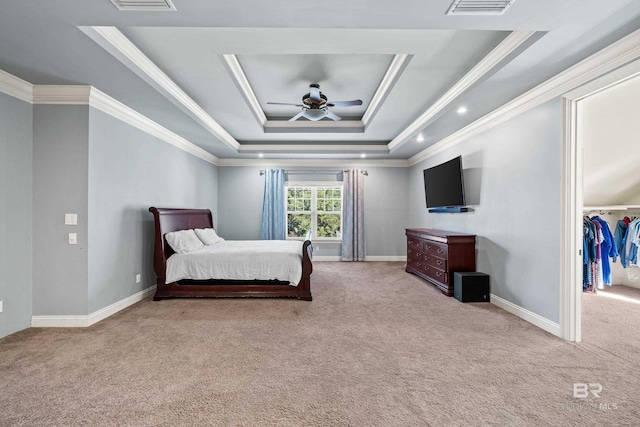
pixel 260 155
pixel 362 156
pixel 420 138
pixel 462 110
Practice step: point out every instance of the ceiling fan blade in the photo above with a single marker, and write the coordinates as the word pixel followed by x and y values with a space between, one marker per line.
pixel 345 103
pixel 285 103
pixel 314 92
pixel 297 116
pixel 333 116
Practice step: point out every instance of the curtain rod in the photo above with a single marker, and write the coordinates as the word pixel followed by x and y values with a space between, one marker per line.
pixel 313 172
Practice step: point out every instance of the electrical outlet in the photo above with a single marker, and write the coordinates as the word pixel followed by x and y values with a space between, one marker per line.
pixel 1 307
pixel 138 278
pixel 73 238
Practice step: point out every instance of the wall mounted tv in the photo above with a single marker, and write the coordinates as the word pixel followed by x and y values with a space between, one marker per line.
pixel 444 187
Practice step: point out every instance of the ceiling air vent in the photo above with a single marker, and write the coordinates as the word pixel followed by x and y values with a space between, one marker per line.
pixel 479 7
pixel 148 5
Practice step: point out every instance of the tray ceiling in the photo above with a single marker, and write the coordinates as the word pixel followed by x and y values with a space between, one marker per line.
pixel 206 70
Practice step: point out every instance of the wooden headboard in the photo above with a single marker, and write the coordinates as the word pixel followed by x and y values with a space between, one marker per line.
pixel 168 220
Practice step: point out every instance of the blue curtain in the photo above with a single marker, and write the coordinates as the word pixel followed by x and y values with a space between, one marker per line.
pixel 353 215
pixel 273 206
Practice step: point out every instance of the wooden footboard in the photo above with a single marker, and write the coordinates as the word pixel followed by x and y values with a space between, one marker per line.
pixel 167 220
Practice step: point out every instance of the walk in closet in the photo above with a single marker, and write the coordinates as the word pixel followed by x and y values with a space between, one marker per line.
pixel 609 132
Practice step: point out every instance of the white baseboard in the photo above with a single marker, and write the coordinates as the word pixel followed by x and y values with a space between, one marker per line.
pixel 75 321
pixel 529 316
pixel 326 258
pixel 401 258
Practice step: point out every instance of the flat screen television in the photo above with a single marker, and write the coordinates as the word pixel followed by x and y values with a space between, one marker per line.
pixel 444 187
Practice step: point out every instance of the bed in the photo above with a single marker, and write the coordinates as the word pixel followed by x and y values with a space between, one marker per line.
pixel 169 220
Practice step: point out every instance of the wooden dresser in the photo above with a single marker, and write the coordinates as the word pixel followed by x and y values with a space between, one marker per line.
pixel 435 255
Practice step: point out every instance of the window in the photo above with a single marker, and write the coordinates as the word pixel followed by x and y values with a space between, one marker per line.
pixel 314 207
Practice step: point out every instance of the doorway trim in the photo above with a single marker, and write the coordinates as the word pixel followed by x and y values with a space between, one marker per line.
pixel 572 197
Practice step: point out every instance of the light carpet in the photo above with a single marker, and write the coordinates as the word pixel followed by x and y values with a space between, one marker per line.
pixel 376 347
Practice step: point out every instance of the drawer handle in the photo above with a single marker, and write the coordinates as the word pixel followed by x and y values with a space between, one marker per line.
pixel 438 274
pixel 410 242
pixel 439 262
pixel 409 260
pixel 419 264
pixel 428 247
pixel 439 251
pixel 410 251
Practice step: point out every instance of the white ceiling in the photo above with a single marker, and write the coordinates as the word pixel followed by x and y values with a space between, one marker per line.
pixel 608 129
pixel 207 70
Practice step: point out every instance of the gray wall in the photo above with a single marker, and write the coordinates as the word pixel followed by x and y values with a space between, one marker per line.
pixel 513 180
pixel 109 173
pixel 16 220
pixel 60 150
pixel 386 207
pixel 129 171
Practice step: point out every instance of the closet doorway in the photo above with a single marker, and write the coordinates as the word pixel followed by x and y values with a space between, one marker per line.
pixel 603 187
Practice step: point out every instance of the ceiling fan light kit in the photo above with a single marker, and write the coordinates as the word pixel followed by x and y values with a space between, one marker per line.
pixel 315 105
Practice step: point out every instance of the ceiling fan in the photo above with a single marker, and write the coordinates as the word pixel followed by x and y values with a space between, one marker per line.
pixel 315 105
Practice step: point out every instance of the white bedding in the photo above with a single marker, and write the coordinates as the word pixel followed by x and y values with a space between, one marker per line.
pixel 240 260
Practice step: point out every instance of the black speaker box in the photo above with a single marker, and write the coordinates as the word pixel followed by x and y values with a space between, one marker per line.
pixel 471 287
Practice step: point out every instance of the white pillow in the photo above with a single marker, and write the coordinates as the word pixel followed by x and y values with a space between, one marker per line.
pixel 208 236
pixel 183 241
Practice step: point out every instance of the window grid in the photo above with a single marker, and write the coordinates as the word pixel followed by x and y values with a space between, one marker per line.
pixel 318 202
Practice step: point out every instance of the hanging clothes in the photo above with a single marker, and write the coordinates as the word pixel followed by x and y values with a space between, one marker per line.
pixel 589 251
pixel 596 267
pixel 599 248
pixel 607 249
pixel 632 241
pixel 619 239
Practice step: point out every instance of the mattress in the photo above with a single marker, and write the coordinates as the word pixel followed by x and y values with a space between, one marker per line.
pixel 240 260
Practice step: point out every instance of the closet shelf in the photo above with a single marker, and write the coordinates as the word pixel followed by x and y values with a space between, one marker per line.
pixel 611 208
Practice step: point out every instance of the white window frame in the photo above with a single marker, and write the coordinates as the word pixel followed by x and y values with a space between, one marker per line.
pixel 314 207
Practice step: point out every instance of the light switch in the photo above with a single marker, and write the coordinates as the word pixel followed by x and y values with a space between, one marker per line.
pixel 73 239
pixel 70 219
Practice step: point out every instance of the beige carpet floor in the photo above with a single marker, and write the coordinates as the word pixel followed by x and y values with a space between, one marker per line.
pixel 376 347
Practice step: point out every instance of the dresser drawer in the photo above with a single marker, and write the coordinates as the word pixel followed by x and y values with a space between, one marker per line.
pixel 414 245
pixel 437 249
pixel 435 273
pixel 435 261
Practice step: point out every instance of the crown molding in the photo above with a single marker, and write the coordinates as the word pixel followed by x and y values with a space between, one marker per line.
pixel 613 78
pixel 306 126
pixel 622 54
pixel 393 73
pixel 16 87
pixel 506 48
pixel 114 108
pixel 378 163
pixel 306 148
pixel 395 70
pixel 618 54
pixel 90 96
pixel 61 94
pixel 112 40
pixel 240 79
